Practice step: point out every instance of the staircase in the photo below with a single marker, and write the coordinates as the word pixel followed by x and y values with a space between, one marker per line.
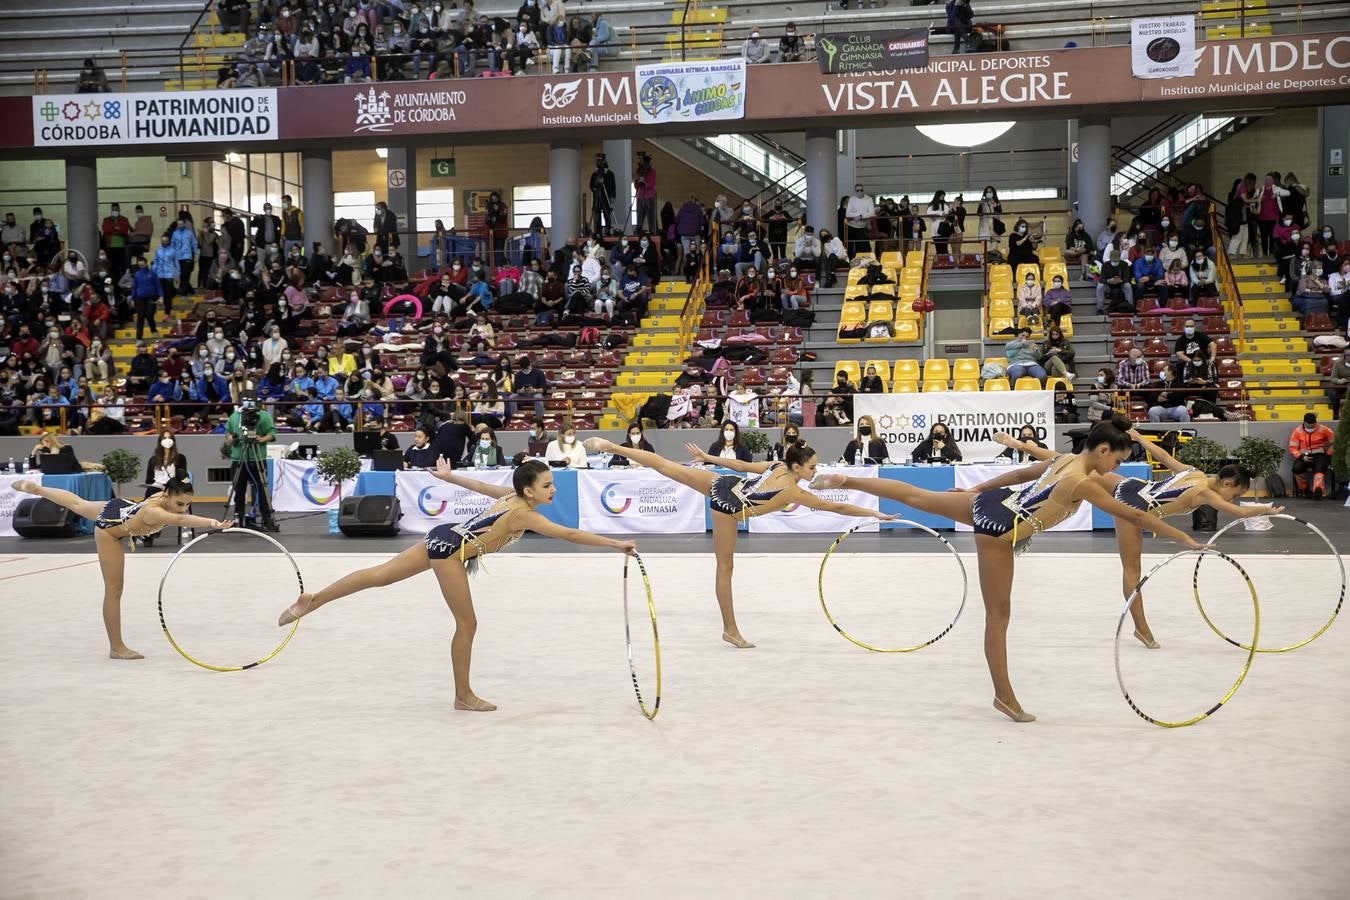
pixel 748 165
pixel 208 50
pixel 1278 364
pixel 1150 160
pixel 654 361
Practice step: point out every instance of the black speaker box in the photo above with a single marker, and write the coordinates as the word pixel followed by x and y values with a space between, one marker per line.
pixel 37 517
pixel 371 515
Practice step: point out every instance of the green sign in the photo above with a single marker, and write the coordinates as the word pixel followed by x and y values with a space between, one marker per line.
pixel 1335 171
pixel 443 168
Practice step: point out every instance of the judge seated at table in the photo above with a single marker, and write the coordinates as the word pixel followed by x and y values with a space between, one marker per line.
pixel 1027 436
pixel 50 445
pixel 938 447
pixel 866 448
pixel 421 455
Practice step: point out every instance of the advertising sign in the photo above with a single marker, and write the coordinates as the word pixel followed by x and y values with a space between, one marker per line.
pixel 1162 48
pixel 904 420
pixel 76 120
pixel 872 51
pixel 691 92
pixel 637 501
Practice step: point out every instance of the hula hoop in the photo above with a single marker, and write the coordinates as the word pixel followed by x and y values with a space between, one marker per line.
pixel 1246 666
pixel 165 625
pixel 411 298
pixel 820 587
pixel 1316 634
pixel 628 638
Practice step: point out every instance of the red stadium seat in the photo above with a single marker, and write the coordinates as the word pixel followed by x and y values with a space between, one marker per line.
pixel 1150 326
pixel 1123 326
pixel 1156 347
pixel 1318 323
pixel 1215 325
pixel 1122 347
pixel 1231 389
pixel 740 318
pixel 1229 367
pixel 1223 346
pixel 712 318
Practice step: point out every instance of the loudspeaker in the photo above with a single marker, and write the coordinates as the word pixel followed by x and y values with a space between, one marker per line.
pixel 38 517
pixel 1205 518
pixel 372 515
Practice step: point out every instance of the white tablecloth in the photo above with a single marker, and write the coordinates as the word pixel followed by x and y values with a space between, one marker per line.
pixel 9 499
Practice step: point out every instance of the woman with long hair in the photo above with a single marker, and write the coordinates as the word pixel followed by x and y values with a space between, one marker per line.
pixel 116 519
pixel 1005 517
pixel 452 552
pixel 759 488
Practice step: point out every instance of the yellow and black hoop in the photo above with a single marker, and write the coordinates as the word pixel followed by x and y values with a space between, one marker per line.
pixel 628 637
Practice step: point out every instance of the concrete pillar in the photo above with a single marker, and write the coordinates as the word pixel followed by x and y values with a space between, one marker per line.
pixel 401 195
pixel 82 221
pixel 619 155
pixel 1333 129
pixel 822 178
pixel 564 183
pixel 316 179
pixel 1094 171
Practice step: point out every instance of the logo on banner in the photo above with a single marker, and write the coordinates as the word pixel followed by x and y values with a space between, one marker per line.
pixel 1162 48
pixel 686 92
pixel 658 95
pixel 424 501
pixel 596 100
pixel 654 500
pixel 372 111
pixel 309 486
pixel 560 95
pixel 76 119
pixel 609 500
pixel 875 51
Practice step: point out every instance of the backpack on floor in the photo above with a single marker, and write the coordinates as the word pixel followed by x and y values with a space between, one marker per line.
pixel 589 336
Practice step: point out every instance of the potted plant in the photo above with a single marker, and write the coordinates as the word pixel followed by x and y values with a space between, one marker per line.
pixel 334 467
pixel 1209 456
pixel 1261 456
pixel 120 466
pixel 756 442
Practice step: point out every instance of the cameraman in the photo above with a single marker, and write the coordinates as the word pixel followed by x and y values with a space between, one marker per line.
pixel 247 432
pixel 603 189
pixel 644 187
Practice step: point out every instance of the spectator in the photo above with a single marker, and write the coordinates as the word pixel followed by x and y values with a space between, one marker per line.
pixel 1022 245
pixel 790 46
pixel 837 408
pixel 185 251
pixel 1202 279
pixel 729 446
pixel 1199 238
pixel 756 50
pixel 565 451
pixel 1102 400
pixel 92 79
pixel 959 19
pixel 1165 403
pixel 871 382
pixel 602 42
pixel 644 189
pixel 1029 299
pixel 1312 295
pixel 1175 282
pixel 1310 447
pixel 1058 301
pixel 792 290
pixel 866 448
pixel 1057 355
pixel 833 255
pixel 1193 344
pixel 1172 251
pixel 1078 248
pixel 115 230
pixel 1269 211
pixel 1338 382
pixel 1132 371
pixel 858 214
pixel 989 210
pixel 938 446
pixel 1023 356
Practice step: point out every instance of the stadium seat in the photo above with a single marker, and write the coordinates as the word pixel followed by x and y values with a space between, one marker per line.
pixel 914 259
pixel 849 366
pixel 1123 326
pixel 936 369
pixel 1055 268
pixel 1056 383
pixel 966 384
pixel 1066 324
pixel 905 370
pixel 740 318
pixel 880 311
pixel 1215 325
pixel 905 386
pixel 1026 269
pixel 892 259
pixel 933 386
pixel 1156 347
pixel 998 326
pixel 1028 383
pixel 966 368
pixel 1150 327
pixel 996 384
pixel 1121 347
pixel 1000 307
pixel 907 330
pixel 1050 253
pixel 1228 367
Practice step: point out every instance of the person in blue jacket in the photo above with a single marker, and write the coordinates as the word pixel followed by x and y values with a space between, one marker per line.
pixel 166 269
pixel 1149 276
pixel 326 385
pixel 212 388
pixel 184 243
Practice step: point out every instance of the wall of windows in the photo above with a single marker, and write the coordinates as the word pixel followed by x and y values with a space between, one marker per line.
pixel 530 200
pixel 247 181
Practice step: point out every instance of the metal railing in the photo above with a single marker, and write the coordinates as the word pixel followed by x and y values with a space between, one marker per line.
pixel 1136 170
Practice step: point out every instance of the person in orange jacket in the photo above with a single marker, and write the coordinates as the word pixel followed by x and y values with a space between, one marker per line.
pixel 1310 446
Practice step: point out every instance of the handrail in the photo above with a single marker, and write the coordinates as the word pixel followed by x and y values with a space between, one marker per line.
pixel 692 311
pixel 1225 269
pixel 190 33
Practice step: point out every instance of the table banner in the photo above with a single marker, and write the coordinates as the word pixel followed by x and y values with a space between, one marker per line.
pixel 637 501
pixel 426 501
pixel 9 499
pixel 796 519
pixel 904 420
pixel 297 487
pixel 969 476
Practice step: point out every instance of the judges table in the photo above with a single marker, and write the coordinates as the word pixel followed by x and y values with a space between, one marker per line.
pixel 639 501
pixel 89 485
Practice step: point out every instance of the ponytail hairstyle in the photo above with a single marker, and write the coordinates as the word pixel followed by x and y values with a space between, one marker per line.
pixel 798 455
pixel 178 485
pixel 1114 432
pixel 526 474
pixel 1239 475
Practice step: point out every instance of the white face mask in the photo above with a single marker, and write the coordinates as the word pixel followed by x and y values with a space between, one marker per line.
pixel 166 443
pixel 569 439
pixel 728 435
pixel 634 438
pixel 485 442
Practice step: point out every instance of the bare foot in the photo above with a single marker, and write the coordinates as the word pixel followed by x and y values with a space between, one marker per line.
pixel 1147 640
pixel 124 653
pixel 1013 711
pixel 297 609
pixel 598 445
pixel 26 485
pixel 823 481
pixel 737 641
pixel 474 704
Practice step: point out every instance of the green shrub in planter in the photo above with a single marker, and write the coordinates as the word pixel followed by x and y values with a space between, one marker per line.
pixel 756 442
pixel 1259 455
pixel 120 466
pixel 338 465
pixel 1203 453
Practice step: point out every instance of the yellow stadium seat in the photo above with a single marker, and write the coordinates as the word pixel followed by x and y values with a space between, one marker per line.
pixel 1000 307
pixel 892 259
pixel 883 369
pixel 849 366
pixel 853 311
pixel 966 384
pixel 905 370
pixel 1028 383
pixel 907 386
pixel 1066 325
pixel 857 290
pixel 998 324
pixel 938 369
pixel 1026 269
pixel 996 384
pixel 1056 383
pixel 1000 271
pixel 909 293
pixel 914 259
pixel 887 289
pixel 1056 268
pixel 934 386
pixel 907 330
pixel 880 311
pixel 1050 253
pixel 966 368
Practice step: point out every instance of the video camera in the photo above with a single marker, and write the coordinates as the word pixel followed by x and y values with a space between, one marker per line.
pixel 249 411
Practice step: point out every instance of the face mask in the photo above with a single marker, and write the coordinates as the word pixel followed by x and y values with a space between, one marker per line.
pixel 634 438
pixel 1288 220
pixel 989 195
pixel 1148 257
pixel 1166 222
pixel 643 245
pixel 1188 331
pixel 1021 229
pixel 456 266
pixel 166 443
pixel 1295 236
pixel 729 435
pixel 1326 235
pixel 858 193
pixel 569 439
pixel 208 372
pixel 1199 263
pixel 864 431
pixel 229 356
pixel 1172 243
pixel 1310 428
pixel 485 443
pixel 792 273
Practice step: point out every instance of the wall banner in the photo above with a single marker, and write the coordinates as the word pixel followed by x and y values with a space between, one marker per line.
pixel 795 519
pixel 872 51
pixel 690 92
pixel 76 120
pixel 904 420
pixel 426 501
pixel 297 487
pixel 637 501
pixel 1163 48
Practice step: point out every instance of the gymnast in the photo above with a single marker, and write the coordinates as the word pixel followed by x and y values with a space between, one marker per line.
pixel 1182 492
pixel 453 551
pixel 769 487
pixel 116 519
pixel 1004 520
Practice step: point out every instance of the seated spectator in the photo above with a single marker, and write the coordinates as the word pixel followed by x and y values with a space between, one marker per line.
pixel 1149 276
pixel 635 295
pixel 1310 447
pixel 1312 295
pixel 1057 354
pixel 751 290
pixel 866 447
pixel 756 50
pixel 871 382
pixel 1172 251
pixel 729 445
pixel 1175 281
pixel 1193 344
pixel 1027 436
pixel 833 255
pixel 793 291
pixel 1058 301
pixel 1022 245
pixel 92 79
pixel 1202 277
pixel 606 294
pixel 1166 404
pixel 481 337
pixel 1078 248
pixel 790 46
pixel 1199 238
pixel 938 446
pixel 1115 292
pixel 1132 371
pixel 1338 382
pixel 488 407
pixel 1102 400
pixel 47 408
pixel 566 451
pixel 1023 356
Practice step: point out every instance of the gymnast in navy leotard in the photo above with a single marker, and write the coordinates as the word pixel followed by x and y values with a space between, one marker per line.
pixel 453 551
pixel 754 489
